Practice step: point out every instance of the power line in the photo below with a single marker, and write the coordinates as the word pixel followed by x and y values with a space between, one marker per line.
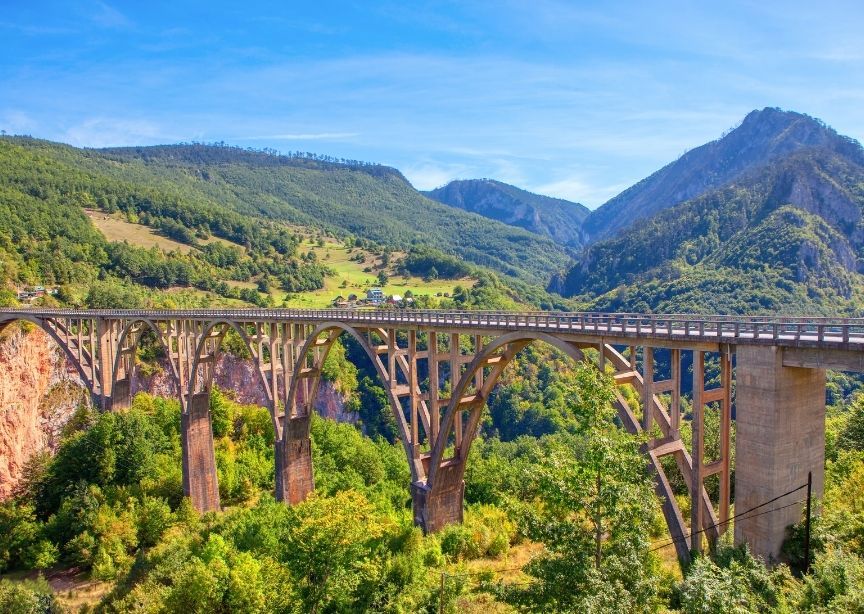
pixel 739 515
pixel 745 514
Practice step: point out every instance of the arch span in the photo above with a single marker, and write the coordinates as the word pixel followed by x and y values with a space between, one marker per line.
pixel 438 500
pixel 75 351
pixel 125 360
pixel 204 354
pixel 294 461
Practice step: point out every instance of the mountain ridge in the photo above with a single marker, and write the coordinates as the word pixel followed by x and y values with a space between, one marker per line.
pixel 788 232
pixel 555 218
pixel 762 137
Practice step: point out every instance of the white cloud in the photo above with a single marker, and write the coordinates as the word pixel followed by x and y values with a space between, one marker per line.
pixel 107 132
pixel 109 17
pixel 301 136
pixel 427 176
pixel 578 190
pixel 17 122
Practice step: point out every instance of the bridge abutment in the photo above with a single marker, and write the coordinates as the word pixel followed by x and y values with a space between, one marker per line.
pixel 780 437
pixel 200 480
pixel 294 478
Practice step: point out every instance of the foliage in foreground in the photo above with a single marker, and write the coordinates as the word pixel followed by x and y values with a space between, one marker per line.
pixel 110 502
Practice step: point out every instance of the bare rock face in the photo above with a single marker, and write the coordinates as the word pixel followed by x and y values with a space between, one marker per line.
pixel 38 394
pixel 240 378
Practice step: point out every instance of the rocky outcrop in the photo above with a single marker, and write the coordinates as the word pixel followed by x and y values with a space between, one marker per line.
pixel 38 394
pixel 239 377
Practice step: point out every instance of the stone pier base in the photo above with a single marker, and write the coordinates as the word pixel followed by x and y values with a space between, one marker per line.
pixel 200 481
pixel 121 394
pixel 435 508
pixel 780 437
pixel 294 479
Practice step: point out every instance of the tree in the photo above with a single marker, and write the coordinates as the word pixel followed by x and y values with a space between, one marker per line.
pixel 852 435
pixel 597 509
pixel 326 547
pixel 382 278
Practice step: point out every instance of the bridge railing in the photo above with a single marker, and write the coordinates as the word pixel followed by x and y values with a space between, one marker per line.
pixel 689 326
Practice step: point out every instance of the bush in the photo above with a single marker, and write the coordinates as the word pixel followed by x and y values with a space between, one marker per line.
pixel 487 531
pixel 28 597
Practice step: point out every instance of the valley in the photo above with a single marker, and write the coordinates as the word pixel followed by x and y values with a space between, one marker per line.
pixel 766 220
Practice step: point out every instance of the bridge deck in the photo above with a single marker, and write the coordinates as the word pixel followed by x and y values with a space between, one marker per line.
pixel 684 329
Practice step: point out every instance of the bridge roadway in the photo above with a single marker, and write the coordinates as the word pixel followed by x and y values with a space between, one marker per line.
pixel 422 357
pixel 791 331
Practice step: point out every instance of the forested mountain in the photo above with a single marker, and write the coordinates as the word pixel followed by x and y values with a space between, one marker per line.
pixel 786 235
pixel 560 220
pixel 369 201
pixel 763 137
pixel 243 214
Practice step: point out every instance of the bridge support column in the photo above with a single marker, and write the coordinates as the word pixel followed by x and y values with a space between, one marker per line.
pixel 200 480
pixel 121 395
pixel 780 437
pixel 435 508
pixel 294 478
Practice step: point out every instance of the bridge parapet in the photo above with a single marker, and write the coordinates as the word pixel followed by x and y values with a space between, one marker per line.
pixel 791 331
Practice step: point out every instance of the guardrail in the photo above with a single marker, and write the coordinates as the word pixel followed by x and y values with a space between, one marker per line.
pixel 727 329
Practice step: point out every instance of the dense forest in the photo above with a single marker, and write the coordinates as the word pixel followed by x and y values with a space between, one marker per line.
pixel 110 504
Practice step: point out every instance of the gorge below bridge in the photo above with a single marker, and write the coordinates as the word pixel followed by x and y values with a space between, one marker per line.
pixel 777 367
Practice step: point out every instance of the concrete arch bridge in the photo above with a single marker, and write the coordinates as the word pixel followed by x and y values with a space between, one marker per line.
pixel 778 375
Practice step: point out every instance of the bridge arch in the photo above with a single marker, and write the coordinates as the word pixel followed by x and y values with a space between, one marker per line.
pixel 79 356
pixel 205 353
pixel 307 377
pixel 125 361
pixel 438 500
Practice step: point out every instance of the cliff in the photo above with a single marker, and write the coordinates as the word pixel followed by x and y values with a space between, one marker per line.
pixel 38 394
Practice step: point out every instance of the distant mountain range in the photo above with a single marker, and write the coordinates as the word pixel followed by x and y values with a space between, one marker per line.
pixel 766 218
pixel 560 220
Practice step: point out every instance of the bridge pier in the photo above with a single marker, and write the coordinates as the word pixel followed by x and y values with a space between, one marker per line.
pixel 435 508
pixel 780 437
pixel 294 478
pixel 200 480
pixel 121 394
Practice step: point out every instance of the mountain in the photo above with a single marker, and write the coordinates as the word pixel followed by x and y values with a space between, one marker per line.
pixel 762 137
pixel 560 220
pixel 370 201
pixel 263 204
pixel 786 234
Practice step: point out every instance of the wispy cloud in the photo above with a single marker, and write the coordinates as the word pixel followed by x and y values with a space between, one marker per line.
pixel 302 136
pixel 107 16
pixel 107 132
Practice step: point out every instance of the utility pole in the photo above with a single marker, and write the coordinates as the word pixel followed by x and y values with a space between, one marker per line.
pixel 441 596
pixel 807 524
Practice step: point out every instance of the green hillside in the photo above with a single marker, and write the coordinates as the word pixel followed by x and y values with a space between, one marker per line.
pixel 369 201
pixel 783 237
pixel 202 225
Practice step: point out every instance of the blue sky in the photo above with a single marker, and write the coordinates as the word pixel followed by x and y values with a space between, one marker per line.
pixel 563 98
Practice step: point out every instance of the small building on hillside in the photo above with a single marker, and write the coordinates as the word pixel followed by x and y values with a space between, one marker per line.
pixel 375 296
